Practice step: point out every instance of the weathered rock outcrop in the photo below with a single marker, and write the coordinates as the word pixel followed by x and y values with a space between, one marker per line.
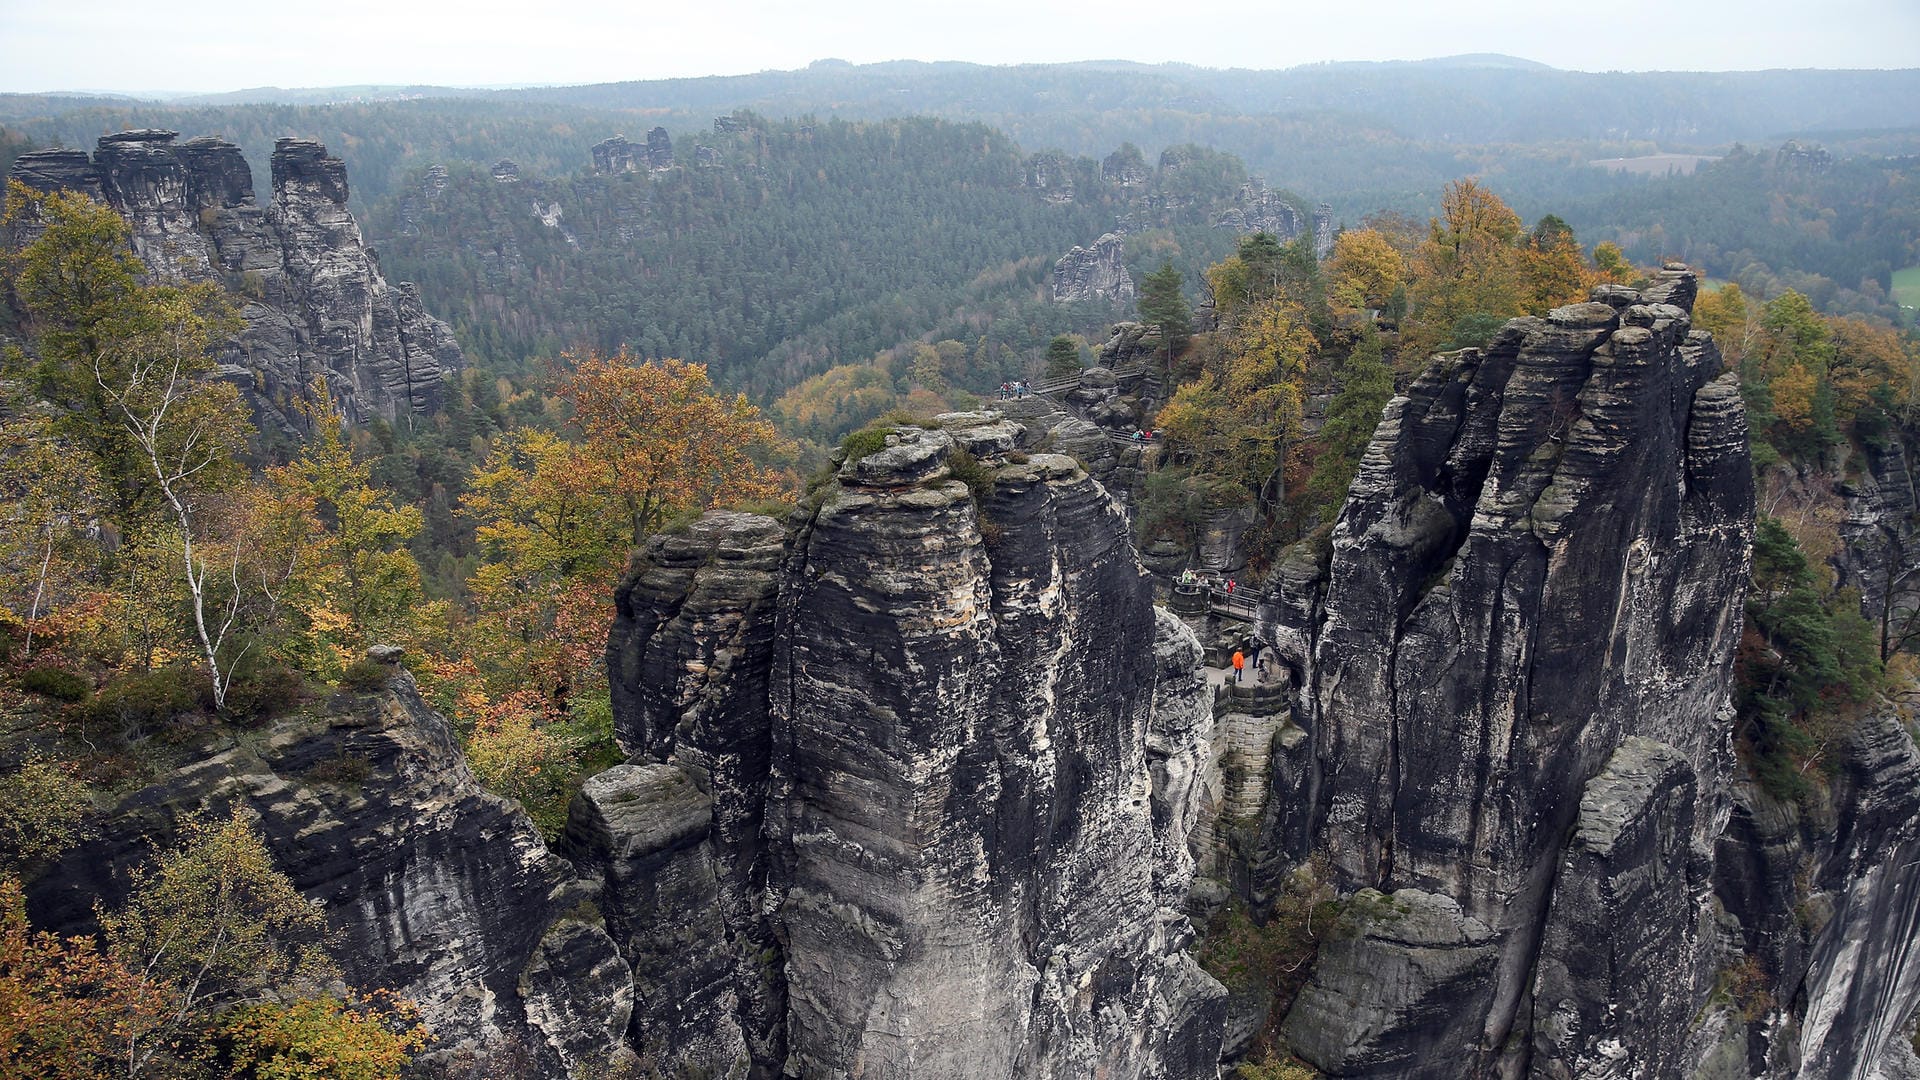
pixel 1098 272
pixel 1051 175
pixel 614 155
pixel 1513 664
pixel 1126 167
pixel 1258 208
pixel 314 302
pixel 975 798
pixel 1323 231
pixel 436 889
pixel 659 150
pixel 1516 670
pixel 1824 914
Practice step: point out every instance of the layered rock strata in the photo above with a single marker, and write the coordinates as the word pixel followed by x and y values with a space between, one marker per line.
pixel 435 889
pixel 975 797
pixel 1515 668
pixel 1095 272
pixel 313 300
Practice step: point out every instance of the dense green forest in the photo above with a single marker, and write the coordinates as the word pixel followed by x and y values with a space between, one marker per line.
pixel 801 246
pixel 1363 136
pixel 1833 229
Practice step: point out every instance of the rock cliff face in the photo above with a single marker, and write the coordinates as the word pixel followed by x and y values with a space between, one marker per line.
pixel 1514 670
pixel 943 799
pixel 1258 208
pixel 437 889
pixel 1098 272
pixel 1051 175
pixel 314 302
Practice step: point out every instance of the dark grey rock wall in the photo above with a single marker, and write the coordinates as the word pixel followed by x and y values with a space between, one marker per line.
pixel 975 744
pixel 1539 570
pixel 437 890
pixel 315 304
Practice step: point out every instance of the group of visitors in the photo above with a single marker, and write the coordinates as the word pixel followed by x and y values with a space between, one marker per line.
pixel 1143 436
pixel 1018 388
pixel 1191 576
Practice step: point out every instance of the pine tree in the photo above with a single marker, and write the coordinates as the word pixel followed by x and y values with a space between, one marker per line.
pixel 1163 307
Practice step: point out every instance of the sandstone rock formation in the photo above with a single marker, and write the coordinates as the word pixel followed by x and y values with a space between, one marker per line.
pixel 1513 667
pixel 1542 558
pixel 1051 174
pixel 1258 208
pixel 1126 167
pixel 1098 272
pixel 614 155
pixel 436 889
pixel 949 805
pixel 659 150
pixel 314 302
pixel 1323 231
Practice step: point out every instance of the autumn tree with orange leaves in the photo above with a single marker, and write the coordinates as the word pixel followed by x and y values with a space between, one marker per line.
pixel 555 515
pixel 670 442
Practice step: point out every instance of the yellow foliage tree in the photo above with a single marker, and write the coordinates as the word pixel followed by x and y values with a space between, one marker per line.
pixel 1363 271
pixel 1468 266
pixel 1235 420
pixel 321 1038
pixel 670 441
pixel 1793 392
pixel 1725 314
pixel 1554 269
pixel 357 582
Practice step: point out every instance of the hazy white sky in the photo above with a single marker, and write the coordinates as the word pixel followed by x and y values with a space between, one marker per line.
pixel 201 45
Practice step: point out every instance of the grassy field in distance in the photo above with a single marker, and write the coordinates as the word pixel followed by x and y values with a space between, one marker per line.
pixel 1906 286
pixel 1654 164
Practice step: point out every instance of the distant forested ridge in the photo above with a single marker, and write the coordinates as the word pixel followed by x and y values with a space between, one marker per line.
pixel 782 256
pixel 1365 135
pixel 775 250
pixel 1796 217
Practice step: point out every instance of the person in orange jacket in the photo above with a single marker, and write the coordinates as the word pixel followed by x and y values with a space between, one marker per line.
pixel 1239 667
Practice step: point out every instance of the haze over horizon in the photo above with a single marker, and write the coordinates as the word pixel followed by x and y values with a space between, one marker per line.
pixel 194 46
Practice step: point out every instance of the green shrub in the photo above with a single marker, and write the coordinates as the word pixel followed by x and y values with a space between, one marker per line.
pixel 969 470
pixel 343 768
pixel 44 810
pixel 56 682
pixel 145 701
pixel 777 509
pixel 367 676
pixel 863 443
pixel 265 692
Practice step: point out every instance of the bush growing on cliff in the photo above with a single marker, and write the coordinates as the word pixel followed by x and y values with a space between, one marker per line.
pixel 216 965
pixel 1803 666
pixel 864 443
pixel 44 810
pixel 1269 961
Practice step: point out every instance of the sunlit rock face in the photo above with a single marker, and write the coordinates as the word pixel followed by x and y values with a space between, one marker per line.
pixel 952 753
pixel 314 303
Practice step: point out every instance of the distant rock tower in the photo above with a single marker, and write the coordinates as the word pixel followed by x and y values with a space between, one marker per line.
pixel 613 155
pixel 1323 231
pixel 659 150
pixel 1096 272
